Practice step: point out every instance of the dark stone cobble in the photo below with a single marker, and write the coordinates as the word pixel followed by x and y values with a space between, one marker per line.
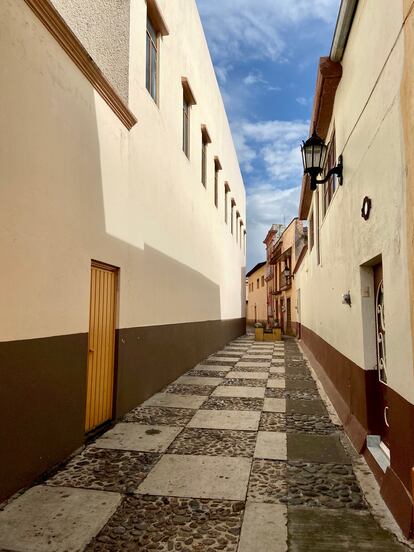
pixel 232 403
pixel 208 373
pixel 250 369
pixel 268 482
pixel 153 415
pixel 179 389
pixel 214 442
pixel 272 421
pixel 244 382
pixel 323 485
pixel 166 524
pixel 272 393
pixel 106 470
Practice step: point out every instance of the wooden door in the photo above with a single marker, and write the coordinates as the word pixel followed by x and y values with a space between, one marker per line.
pixel 383 403
pixel 101 354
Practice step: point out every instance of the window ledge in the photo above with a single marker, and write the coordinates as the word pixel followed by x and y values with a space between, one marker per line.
pixel 57 27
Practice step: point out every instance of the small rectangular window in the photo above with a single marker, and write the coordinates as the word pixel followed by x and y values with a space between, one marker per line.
pixel 188 101
pixel 152 60
pixel 217 168
pixel 226 202
pixel 330 186
pixel 262 281
pixel 205 139
pixel 186 128
pixel 311 232
pixel 257 284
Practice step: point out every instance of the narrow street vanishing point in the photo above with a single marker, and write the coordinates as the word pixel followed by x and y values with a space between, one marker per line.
pixel 240 454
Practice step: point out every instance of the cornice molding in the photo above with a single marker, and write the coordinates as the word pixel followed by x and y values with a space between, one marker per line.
pixel 57 27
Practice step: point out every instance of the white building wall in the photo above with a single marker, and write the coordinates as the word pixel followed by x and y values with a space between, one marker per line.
pixel 368 127
pixel 76 185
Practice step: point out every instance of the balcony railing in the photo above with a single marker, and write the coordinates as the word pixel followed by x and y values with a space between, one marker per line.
pixel 285 283
pixel 269 273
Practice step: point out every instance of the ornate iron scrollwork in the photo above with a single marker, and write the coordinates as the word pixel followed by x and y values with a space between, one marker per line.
pixel 382 356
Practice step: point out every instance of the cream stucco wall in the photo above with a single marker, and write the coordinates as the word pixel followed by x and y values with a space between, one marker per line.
pixel 76 185
pixel 368 127
pixel 257 304
pixel 103 28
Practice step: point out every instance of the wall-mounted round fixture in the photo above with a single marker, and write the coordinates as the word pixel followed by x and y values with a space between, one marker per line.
pixel 366 208
pixel 346 298
pixel 314 152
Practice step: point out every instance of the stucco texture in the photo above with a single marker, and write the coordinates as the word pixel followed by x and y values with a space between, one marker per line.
pixel 102 26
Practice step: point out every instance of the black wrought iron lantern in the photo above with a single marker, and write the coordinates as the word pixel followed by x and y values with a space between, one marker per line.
pixel 314 153
pixel 286 272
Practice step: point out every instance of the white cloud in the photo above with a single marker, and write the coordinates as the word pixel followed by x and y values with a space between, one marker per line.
pixel 275 143
pixel 303 101
pixel 239 30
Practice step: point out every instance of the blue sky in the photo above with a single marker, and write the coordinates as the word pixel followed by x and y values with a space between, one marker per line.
pixel 266 56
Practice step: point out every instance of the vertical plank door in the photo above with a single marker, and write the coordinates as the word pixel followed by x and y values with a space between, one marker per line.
pixel 101 354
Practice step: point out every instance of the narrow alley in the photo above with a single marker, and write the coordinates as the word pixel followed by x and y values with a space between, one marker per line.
pixel 240 454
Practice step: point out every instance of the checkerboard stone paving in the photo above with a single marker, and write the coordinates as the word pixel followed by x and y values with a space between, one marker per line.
pixel 237 455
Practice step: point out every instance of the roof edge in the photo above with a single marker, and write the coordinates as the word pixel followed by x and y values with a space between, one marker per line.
pixel 343 28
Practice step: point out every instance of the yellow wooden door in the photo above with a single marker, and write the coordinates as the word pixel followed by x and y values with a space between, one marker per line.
pixel 101 354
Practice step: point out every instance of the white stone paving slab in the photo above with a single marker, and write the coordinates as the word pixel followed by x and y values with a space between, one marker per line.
pixel 212 368
pixel 224 359
pixel 264 528
pixel 244 364
pixel 274 405
pixel 271 445
pixel 244 420
pixel 278 383
pixel 55 519
pixel 198 380
pixel 171 400
pixel 278 362
pixel 277 370
pixel 248 375
pixel 240 392
pixel 139 437
pixel 198 477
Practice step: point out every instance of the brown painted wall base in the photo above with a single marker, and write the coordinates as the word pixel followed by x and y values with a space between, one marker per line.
pixel 353 392
pixel 43 388
pixel 42 403
pixel 151 357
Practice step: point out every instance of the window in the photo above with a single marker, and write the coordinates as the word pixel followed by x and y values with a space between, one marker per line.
pixel 205 139
pixel 233 204
pixel 311 232
pixel 330 186
pixel 156 27
pixel 188 101
pixel 237 225
pixel 262 281
pixel 226 202
pixel 241 234
pixel 186 128
pixel 257 285
pixel 152 60
pixel 217 168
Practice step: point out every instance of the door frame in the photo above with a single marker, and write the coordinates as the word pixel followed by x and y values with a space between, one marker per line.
pixel 115 270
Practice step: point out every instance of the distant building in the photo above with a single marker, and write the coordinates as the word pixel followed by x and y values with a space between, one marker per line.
pixel 257 303
pixel 284 250
pixel 357 279
pixel 122 218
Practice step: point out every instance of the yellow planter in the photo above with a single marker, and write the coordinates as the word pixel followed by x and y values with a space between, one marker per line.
pixel 261 335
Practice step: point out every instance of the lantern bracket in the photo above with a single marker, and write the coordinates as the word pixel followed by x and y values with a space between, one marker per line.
pixel 338 170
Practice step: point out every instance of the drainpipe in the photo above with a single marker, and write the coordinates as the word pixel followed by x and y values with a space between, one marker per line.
pixel 343 28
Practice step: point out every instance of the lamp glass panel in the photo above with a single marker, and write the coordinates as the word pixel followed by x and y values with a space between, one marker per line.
pixel 309 157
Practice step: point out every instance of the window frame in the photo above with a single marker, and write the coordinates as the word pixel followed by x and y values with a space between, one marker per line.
pixel 152 43
pixel 331 185
pixel 188 101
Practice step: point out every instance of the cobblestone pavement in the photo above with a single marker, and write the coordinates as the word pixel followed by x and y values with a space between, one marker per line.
pixel 238 455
